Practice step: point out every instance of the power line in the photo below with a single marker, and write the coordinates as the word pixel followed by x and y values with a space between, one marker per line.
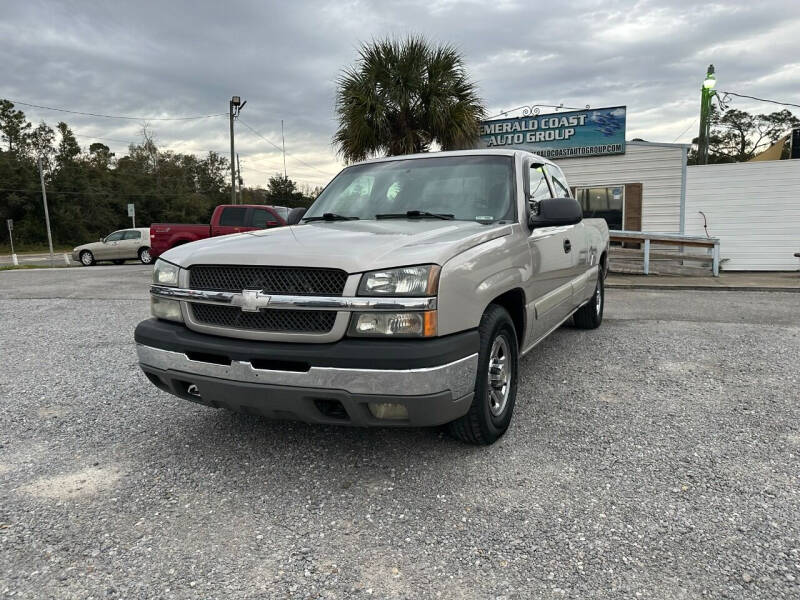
pixel 114 194
pixel 89 114
pixel 759 99
pixel 684 131
pixel 281 149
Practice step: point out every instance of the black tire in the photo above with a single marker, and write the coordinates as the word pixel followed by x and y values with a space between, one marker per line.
pixel 486 420
pixel 118 261
pixel 590 315
pixel 144 256
pixel 86 258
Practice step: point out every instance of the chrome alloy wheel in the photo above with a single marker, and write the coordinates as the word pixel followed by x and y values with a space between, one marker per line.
pixel 86 258
pixel 499 375
pixel 598 303
pixel 145 257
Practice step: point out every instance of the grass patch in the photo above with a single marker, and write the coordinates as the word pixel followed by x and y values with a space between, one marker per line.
pixel 18 267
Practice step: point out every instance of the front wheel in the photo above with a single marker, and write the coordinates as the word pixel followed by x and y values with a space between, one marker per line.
pixel 87 258
pixel 590 315
pixel 144 256
pixel 495 384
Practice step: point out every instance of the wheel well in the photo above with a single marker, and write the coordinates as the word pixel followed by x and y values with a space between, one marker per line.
pixel 142 248
pixel 604 263
pixel 514 302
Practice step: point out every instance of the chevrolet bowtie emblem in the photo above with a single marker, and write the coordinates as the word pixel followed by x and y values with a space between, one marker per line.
pixel 253 300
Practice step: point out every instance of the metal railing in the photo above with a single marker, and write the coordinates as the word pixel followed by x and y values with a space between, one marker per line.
pixel 674 239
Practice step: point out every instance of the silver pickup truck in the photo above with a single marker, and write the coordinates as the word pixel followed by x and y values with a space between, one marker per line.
pixel 404 296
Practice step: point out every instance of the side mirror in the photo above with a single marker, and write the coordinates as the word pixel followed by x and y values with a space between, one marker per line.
pixel 102 240
pixel 555 212
pixel 295 215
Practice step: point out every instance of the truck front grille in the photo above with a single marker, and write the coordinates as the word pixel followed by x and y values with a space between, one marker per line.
pixel 270 319
pixel 296 281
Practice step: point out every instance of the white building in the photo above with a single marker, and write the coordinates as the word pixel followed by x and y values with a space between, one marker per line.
pixel 752 207
pixel 641 190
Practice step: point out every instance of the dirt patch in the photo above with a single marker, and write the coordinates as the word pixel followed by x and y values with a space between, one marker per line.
pixel 72 486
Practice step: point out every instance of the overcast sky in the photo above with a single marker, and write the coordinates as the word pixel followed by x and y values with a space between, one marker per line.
pixel 182 58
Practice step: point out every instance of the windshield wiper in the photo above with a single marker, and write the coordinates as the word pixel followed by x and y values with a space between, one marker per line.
pixel 415 214
pixel 330 217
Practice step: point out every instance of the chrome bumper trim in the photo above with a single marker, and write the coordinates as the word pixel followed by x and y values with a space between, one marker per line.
pixel 252 300
pixel 457 376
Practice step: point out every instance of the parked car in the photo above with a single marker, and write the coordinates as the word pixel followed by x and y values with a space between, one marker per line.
pixel 405 297
pixel 226 219
pixel 122 245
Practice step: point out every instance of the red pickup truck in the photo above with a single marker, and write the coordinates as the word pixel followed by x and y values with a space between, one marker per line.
pixel 226 219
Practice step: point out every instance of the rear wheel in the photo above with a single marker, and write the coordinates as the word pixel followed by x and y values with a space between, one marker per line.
pixel 590 315
pixel 495 384
pixel 144 256
pixel 87 258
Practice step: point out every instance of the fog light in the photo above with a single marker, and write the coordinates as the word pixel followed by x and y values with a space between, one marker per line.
pixel 388 410
pixel 163 308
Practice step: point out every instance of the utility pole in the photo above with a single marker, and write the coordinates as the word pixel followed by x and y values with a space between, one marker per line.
pixel 706 94
pixel 283 142
pixel 46 213
pixel 236 105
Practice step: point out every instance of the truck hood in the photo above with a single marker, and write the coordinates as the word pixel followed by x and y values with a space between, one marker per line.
pixel 353 246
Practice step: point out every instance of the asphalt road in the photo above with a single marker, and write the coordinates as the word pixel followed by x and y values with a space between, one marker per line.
pixel 656 457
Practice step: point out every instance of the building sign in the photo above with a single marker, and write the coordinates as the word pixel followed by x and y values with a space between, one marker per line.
pixel 591 132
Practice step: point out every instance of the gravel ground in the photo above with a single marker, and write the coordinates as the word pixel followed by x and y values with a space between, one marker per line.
pixel 656 457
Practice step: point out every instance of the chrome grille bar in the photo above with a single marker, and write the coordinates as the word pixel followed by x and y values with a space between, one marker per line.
pixel 252 300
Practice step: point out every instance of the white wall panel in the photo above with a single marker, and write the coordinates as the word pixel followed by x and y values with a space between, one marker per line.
pixel 754 208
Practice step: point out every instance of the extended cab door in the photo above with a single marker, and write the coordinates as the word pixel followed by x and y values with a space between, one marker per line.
pixel 576 238
pixel 550 289
pixel 232 219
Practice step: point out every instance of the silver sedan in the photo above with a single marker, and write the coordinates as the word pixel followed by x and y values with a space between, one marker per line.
pixel 122 245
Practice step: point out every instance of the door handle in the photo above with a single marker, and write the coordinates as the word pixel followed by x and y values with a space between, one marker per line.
pixel 567 246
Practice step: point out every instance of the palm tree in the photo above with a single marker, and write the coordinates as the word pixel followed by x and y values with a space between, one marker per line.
pixel 401 97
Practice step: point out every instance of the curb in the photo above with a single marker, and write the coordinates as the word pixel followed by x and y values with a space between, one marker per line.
pixel 703 288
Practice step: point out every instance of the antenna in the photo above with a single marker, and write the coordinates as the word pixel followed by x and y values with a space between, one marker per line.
pixel 283 142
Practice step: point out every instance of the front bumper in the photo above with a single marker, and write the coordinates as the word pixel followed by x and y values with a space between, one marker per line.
pixel 319 383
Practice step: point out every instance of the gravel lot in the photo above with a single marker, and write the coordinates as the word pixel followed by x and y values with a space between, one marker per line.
pixel 656 457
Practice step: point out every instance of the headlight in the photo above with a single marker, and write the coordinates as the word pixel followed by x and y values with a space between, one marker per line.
pixel 165 273
pixel 421 280
pixel 397 324
pixel 164 308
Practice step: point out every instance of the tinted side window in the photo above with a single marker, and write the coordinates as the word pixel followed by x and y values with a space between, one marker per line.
pixel 262 217
pixel 233 216
pixel 132 235
pixel 115 237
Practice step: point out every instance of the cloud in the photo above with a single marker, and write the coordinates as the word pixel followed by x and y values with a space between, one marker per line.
pixel 188 57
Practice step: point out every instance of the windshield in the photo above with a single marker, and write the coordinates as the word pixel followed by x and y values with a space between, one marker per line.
pixel 470 188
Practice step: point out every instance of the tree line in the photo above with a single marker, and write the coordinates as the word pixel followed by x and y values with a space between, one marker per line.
pixel 88 190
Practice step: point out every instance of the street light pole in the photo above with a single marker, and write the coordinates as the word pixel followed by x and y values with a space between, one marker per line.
pixel 235 106
pixel 706 94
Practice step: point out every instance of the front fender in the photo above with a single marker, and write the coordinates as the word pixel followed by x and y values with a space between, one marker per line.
pixel 472 279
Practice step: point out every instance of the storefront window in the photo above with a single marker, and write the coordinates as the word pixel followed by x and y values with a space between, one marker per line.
pixel 603 203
